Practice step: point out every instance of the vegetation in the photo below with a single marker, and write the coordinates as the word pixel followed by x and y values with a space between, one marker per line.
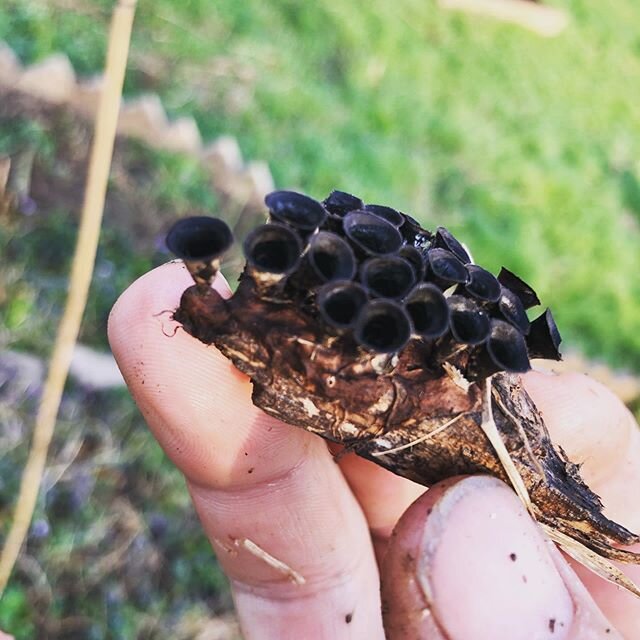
pixel 115 549
pixel 524 147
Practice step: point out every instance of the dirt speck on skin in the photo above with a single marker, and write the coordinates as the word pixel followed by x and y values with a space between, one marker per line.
pixel 513 557
pixel 552 625
pixel 250 470
pixel 524 579
pixel 348 618
pixel 408 562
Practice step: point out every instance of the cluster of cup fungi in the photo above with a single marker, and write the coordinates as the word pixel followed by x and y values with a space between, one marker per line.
pixel 356 324
pixel 374 277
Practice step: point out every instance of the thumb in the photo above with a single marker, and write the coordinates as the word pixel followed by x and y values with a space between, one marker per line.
pixel 466 562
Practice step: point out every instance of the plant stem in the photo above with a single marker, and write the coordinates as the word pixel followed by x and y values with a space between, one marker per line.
pixel 80 280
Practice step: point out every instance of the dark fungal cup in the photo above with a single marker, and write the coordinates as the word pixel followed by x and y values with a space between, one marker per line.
pixel 428 309
pixel 370 234
pixel 445 269
pixel 482 285
pixel 413 232
pixel 527 295
pixel 387 213
pixel 330 257
pixel 507 348
pixel 444 239
pixel 383 326
pixel 199 238
pixel 200 241
pixel 273 249
pixel 295 209
pixel 414 258
pixel 544 338
pixel 388 277
pixel 340 303
pixel 469 323
pixel 513 311
pixel 339 203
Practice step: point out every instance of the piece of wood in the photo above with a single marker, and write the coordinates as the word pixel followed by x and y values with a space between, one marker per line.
pixel 395 417
pixel 542 20
pixel 404 411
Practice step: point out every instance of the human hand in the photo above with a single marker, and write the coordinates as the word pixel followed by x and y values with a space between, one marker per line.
pixel 465 562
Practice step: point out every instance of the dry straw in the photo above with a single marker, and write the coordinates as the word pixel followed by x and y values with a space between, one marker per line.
pixel 81 272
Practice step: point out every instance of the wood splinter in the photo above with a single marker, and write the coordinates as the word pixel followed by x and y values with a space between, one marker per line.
pixel 267 558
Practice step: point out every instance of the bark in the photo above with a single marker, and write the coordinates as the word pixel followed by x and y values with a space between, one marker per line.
pixel 377 405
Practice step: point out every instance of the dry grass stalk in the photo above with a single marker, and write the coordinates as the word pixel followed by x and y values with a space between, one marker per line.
pixel 544 21
pixel 5 166
pixel 6 199
pixel 590 559
pixel 267 558
pixel 80 279
pixel 490 429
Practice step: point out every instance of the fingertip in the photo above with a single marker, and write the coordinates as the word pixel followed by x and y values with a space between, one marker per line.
pixel 160 290
pixel 574 395
pixel 270 497
pixel 406 598
pixel 196 403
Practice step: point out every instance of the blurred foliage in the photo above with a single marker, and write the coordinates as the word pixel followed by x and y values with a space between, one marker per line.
pixel 148 190
pixel 15 612
pixel 115 549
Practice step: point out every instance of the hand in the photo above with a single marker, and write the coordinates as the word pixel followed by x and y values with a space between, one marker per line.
pixel 304 540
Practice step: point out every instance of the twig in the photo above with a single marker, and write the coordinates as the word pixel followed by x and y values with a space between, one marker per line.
pixel 544 21
pixel 491 431
pixel 80 279
pixel 55 473
pixel 5 168
pixel 428 436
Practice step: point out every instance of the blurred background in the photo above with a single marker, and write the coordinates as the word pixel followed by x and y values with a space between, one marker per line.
pixel 525 146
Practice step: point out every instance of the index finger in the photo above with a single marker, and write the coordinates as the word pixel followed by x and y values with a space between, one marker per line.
pixel 277 510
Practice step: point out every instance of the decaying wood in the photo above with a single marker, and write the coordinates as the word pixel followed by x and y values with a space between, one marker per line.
pixel 420 424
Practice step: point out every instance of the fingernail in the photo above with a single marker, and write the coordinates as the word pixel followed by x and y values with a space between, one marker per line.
pixel 486 570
